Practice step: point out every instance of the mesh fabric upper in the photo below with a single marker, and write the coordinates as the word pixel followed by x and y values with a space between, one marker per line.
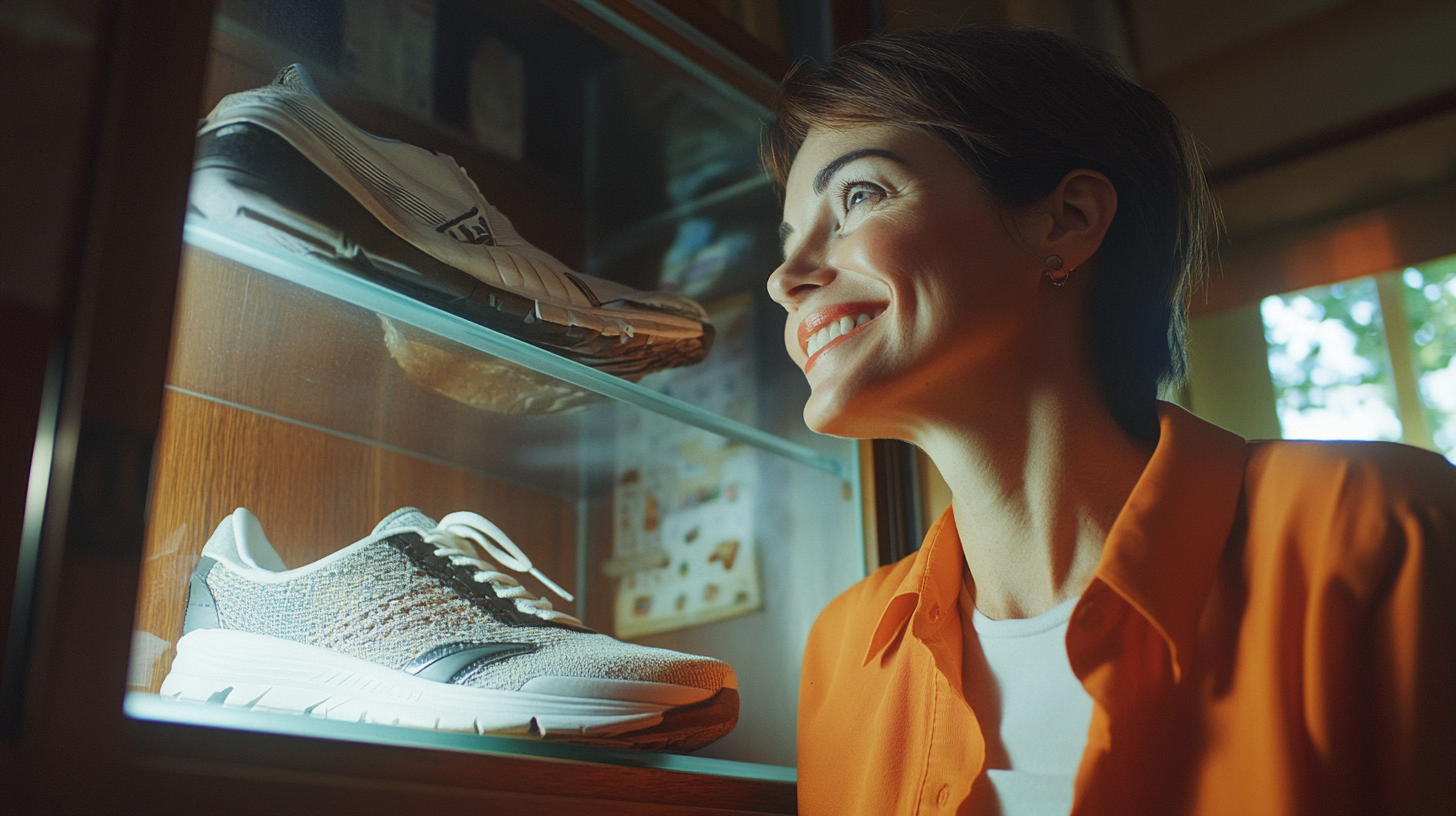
pixel 377 606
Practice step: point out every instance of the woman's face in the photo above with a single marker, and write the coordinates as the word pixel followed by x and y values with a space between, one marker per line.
pixel 907 291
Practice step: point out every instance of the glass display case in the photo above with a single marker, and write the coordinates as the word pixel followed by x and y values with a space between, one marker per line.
pixel 688 510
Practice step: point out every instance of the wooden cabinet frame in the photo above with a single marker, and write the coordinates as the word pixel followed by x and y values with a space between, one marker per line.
pixel 67 745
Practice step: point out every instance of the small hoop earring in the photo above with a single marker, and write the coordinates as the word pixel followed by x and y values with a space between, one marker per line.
pixel 1054 271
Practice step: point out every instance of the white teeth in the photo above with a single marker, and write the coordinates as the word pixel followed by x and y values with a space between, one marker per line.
pixel 835 329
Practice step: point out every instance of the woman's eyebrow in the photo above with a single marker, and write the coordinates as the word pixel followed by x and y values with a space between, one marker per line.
pixel 822 179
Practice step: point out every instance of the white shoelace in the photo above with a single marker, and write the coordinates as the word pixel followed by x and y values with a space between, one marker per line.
pixel 453 537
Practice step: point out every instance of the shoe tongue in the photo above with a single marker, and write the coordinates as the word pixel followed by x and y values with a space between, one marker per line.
pixel 404 517
pixel 295 78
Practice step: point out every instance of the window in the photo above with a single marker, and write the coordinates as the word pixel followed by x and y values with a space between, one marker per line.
pixel 1370 358
pixel 1429 297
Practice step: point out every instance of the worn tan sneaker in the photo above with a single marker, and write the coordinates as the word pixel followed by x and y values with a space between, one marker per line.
pixel 278 164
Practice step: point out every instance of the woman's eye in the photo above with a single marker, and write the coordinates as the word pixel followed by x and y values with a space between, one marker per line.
pixel 857 193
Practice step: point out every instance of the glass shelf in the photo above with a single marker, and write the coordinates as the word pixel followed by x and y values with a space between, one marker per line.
pixel 284 397
pixel 322 276
pixel 143 706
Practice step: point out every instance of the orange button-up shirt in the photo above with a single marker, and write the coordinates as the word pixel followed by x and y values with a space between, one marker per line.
pixel 1271 630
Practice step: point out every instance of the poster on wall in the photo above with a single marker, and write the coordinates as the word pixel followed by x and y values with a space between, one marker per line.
pixel 495 100
pixel 389 48
pixel 683 499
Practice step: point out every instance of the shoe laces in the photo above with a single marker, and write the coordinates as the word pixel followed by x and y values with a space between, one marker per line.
pixel 458 534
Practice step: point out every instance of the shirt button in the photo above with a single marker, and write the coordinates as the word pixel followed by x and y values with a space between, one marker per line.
pixel 934 613
pixel 943 795
pixel 1091 616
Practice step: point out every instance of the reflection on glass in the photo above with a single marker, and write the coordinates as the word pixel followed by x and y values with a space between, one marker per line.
pixel 322 398
pixel 1331 369
pixel 1429 296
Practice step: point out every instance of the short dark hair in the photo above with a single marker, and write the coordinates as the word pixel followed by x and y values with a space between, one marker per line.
pixel 1023 108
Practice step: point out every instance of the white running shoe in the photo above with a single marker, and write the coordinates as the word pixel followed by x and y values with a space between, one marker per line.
pixel 410 626
pixel 277 162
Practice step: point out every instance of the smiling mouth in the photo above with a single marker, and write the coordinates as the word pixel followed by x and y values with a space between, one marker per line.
pixel 826 329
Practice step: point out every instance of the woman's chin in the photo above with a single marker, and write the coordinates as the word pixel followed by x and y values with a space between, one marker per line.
pixel 821 415
pixel 831 412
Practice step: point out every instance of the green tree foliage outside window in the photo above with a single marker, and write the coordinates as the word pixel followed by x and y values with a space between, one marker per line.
pixel 1429 296
pixel 1331 370
pixel 1331 366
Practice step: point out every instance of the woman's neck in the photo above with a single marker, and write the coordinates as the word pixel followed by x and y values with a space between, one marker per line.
pixel 1035 499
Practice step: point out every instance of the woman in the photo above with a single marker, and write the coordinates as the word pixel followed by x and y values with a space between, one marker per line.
pixel 989 237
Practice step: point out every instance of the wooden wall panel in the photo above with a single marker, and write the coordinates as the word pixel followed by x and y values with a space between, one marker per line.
pixel 1384 239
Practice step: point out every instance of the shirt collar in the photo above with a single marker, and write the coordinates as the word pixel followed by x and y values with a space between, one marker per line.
pixel 1163 550
pixel 1161 554
pixel 933 583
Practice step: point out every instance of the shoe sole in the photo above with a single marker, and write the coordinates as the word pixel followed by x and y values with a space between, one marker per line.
pixel 252 180
pixel 264 673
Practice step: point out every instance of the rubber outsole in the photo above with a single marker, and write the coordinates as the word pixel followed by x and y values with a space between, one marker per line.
pixel 262 673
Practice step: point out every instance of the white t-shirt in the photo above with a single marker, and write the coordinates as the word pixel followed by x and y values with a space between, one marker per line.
pixel 1033 711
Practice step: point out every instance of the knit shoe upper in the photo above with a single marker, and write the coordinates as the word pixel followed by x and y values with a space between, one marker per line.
pixel 390 599
pixel 411 627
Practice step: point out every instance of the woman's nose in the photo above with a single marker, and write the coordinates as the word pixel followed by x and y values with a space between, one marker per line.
pixel 800 273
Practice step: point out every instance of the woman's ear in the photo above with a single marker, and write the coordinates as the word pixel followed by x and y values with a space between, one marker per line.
pixel 1071 221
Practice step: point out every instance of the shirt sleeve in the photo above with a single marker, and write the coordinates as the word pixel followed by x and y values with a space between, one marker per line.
pixel 1415 649
pixel 1380 682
